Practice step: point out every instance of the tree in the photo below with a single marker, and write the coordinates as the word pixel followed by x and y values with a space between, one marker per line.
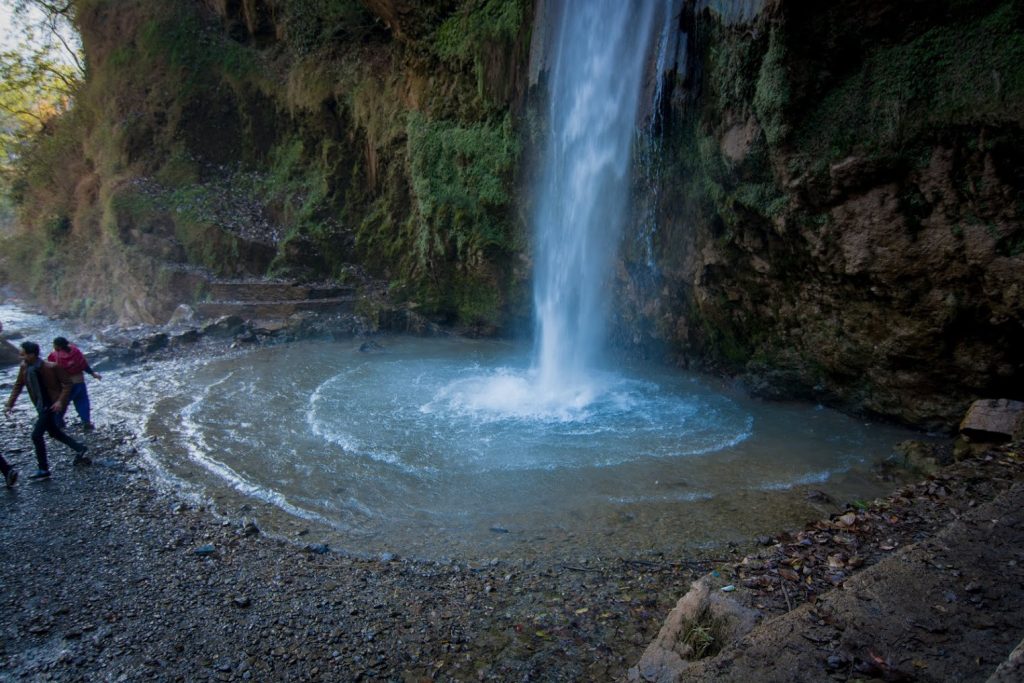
pixel 39 76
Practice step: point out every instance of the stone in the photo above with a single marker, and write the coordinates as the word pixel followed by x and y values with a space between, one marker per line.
pixel 153 342
pixel 205 550
pixel 666 659
pixel 923 456
pixel 182 314
pixel 318 548
pixel 994 420
pixel 228 325
pixel 8 354
pixel 186 337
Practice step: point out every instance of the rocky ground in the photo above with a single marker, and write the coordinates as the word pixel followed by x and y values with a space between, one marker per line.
pixel 104 576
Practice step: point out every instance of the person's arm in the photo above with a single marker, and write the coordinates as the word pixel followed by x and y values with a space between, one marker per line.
pixel 19 384
pixel 91 371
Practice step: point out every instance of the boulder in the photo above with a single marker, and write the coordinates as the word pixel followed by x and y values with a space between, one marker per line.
pixel 703 622
pixel 225 326
pixel 8 354
pixel 994 420
pixel 183 314
pixel 923 456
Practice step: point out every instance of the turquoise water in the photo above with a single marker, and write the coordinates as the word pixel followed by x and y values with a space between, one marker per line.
pixel 437 448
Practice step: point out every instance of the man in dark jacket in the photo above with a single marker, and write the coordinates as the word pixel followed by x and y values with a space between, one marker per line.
pixel 49 388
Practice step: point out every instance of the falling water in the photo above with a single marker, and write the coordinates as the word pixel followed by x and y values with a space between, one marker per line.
pixel 595 85
pixel 671 55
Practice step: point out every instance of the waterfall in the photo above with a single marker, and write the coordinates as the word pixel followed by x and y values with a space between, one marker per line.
pixel 595 85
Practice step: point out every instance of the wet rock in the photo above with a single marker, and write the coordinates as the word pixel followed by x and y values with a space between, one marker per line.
pixel 205 550
pixel 185 338
pixel 819 497
pixel 225 326
pixel 9 354
pixel 152 343
pixel 370 346
pixel 922 456
pixel 182 314
pixel 317 548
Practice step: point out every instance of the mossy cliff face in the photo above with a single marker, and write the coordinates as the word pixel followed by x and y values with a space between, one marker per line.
pixel 836 189
pixel 283 137
pixel 840 195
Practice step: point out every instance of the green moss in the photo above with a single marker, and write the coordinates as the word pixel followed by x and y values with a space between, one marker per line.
pixel 763 198
pixel 314 25
pixel 951 75
pixel 460 181
pixel 771 95
pixel 178 38
pixel 731 59
pixel 470 35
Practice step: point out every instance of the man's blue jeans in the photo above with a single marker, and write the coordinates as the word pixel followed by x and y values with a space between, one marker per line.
pixel 80 397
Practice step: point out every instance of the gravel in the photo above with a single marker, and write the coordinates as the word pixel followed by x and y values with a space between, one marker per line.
pixel 106 577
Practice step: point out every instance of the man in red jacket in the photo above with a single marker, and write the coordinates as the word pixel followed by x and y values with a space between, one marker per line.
pixel 67 356
pixel 49 388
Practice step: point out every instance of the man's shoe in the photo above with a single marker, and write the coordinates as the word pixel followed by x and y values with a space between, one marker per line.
pixel 40 474
pixel 82 458
pixel 11 477
pixel 88 427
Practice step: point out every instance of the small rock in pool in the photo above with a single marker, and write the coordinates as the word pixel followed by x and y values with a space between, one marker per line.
pixel 205 550
pixel 318 548
pixel 499 529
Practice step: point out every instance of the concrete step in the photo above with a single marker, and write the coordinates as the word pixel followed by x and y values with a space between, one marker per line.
pixel 262 291
pixel 275 309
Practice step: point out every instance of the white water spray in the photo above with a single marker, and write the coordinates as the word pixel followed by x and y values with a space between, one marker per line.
pixel 595 85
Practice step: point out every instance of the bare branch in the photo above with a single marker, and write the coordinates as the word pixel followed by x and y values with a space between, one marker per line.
pixel 22 112
pixel 67 48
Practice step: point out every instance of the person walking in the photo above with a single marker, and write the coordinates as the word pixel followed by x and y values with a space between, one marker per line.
pixel 49 388
pixel 70 358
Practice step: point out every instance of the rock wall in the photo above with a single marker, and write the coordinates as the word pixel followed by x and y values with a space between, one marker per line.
pixel 839 205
